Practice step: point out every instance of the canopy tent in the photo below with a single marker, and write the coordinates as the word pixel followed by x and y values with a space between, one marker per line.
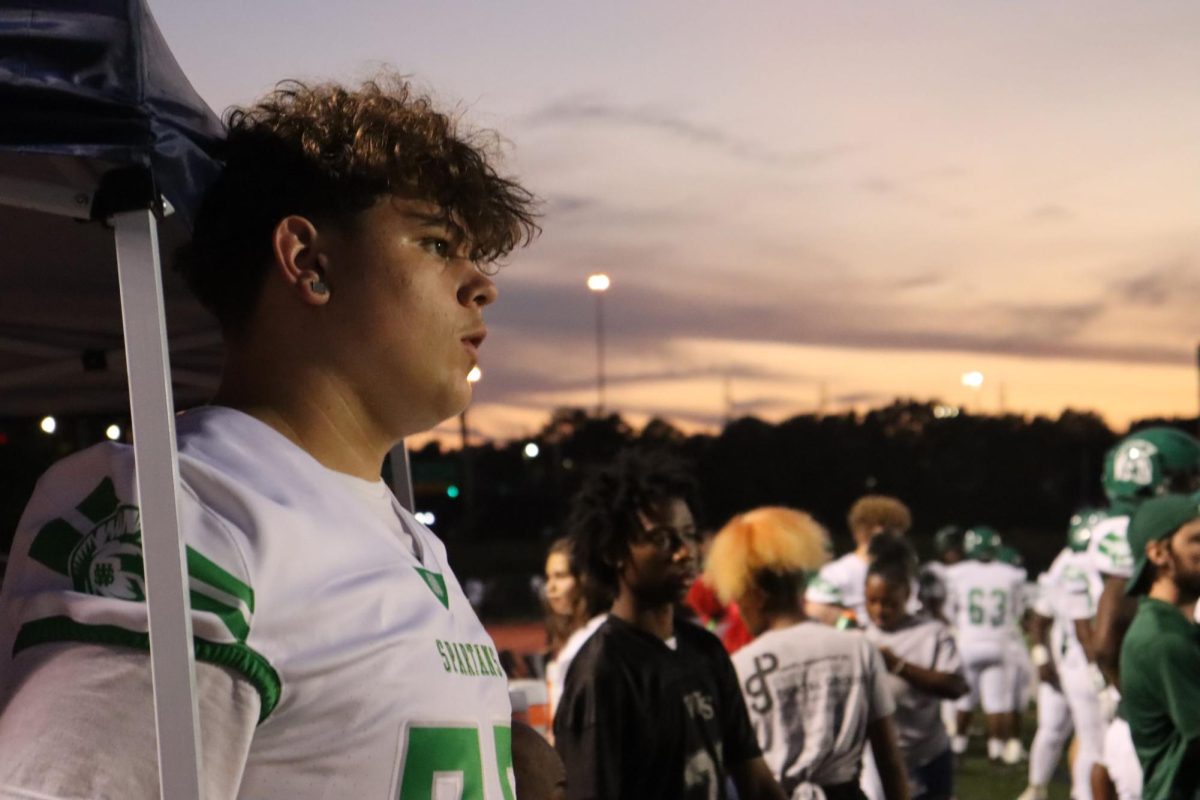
pixel 104 148
pixel 98 118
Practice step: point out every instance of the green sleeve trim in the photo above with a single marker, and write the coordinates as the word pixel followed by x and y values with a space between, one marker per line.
pixel 238 657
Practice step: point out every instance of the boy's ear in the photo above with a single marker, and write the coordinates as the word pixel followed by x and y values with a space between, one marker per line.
pixel 298 259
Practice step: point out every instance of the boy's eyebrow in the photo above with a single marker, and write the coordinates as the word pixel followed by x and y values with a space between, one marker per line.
pixel 441 220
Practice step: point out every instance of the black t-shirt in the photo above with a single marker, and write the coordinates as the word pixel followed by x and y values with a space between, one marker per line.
pixel 641 720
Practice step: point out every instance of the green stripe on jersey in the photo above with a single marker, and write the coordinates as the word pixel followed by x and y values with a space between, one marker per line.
pixel 244 660
pixel 207 572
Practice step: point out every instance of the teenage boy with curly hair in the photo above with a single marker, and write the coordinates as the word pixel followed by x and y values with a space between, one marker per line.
pixel 345 252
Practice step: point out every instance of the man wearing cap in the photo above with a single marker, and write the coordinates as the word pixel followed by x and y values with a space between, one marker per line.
pixel 1160 657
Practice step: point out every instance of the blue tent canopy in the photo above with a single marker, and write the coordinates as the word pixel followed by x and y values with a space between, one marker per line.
pixel 96 117
pixel 94 79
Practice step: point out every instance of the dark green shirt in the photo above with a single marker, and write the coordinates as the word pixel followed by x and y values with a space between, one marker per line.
pixel 1160 686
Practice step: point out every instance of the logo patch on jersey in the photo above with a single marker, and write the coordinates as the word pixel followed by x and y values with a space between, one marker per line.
pixel 105 560
pixel 436 584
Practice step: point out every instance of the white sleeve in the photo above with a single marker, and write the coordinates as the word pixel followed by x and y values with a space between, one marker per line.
pixel 77 720
pixel 824 588
pixel 879 696
pixel 1043 606
pixel 945 652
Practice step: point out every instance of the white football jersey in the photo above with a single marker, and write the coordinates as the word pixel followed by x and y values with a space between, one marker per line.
pixel 1108 547
pixel 983 600
pixel 376 678
pixel 1070 589
pixel 843 582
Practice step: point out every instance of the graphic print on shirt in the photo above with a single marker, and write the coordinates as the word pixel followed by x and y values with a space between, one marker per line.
pixel 106 560
pixel 436 584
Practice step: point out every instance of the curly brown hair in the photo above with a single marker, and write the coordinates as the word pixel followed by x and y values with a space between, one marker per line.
pixel 879 511
pixel 328 152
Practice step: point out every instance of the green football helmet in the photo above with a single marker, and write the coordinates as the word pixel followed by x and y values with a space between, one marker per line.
pixel 1079 529
pixel 1007 554
pixel 1151 462
pixel 981 543
pixel 947 538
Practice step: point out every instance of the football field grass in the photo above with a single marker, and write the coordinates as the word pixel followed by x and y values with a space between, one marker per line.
pixel 978 779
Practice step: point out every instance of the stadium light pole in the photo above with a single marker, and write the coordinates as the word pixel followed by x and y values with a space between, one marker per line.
pixel 472 378
pixel 974 380
pixel 598 284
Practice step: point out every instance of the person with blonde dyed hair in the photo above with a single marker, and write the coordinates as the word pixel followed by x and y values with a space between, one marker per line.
pixel 837 594
pixel 816 695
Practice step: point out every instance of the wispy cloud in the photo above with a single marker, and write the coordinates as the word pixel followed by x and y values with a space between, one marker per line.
pixel 1174 283
pixel 1050 212
pixel 593 112
pixel 649 318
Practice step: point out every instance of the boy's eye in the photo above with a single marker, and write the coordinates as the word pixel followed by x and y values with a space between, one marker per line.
pixel 438 247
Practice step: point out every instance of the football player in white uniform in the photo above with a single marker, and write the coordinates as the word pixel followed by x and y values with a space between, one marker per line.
pixel 344 250
pixel 931 591
pixel 837 594
pixel 1147 463
pixel 1066 700
pixel 984 603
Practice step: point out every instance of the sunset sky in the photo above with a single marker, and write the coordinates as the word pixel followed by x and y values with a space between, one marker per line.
pixel 802 205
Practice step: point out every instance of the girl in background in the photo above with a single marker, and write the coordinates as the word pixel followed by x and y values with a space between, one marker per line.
pixel 923 669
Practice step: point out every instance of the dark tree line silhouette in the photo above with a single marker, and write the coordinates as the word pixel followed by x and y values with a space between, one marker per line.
pixel 1022 475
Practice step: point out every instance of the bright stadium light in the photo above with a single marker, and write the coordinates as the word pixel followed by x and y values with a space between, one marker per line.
pixel 532 450
pixel 974 379
pixel 113 432
pixel 48 424
pixel 425 517
pixel 598 282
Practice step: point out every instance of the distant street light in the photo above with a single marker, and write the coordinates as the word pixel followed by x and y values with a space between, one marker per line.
pixel 113 432
pixel 48 424
pixel 598 284
pixel 472 378
pixel 972 379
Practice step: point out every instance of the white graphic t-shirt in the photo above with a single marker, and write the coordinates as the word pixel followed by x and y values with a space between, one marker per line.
pixel 374 675
pixel 811 691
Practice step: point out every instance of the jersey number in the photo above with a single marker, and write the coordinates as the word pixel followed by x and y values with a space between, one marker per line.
pixel 446 764
pixel 978 614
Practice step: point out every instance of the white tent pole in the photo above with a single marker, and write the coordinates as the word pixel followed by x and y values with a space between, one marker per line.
pixel 171 660
pixel 402 477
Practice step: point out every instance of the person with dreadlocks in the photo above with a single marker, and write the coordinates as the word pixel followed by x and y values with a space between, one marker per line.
pixel 924 668
pixel 817 695
pixel 651 706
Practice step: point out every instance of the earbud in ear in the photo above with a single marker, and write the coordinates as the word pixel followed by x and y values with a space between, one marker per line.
pixel 318 286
